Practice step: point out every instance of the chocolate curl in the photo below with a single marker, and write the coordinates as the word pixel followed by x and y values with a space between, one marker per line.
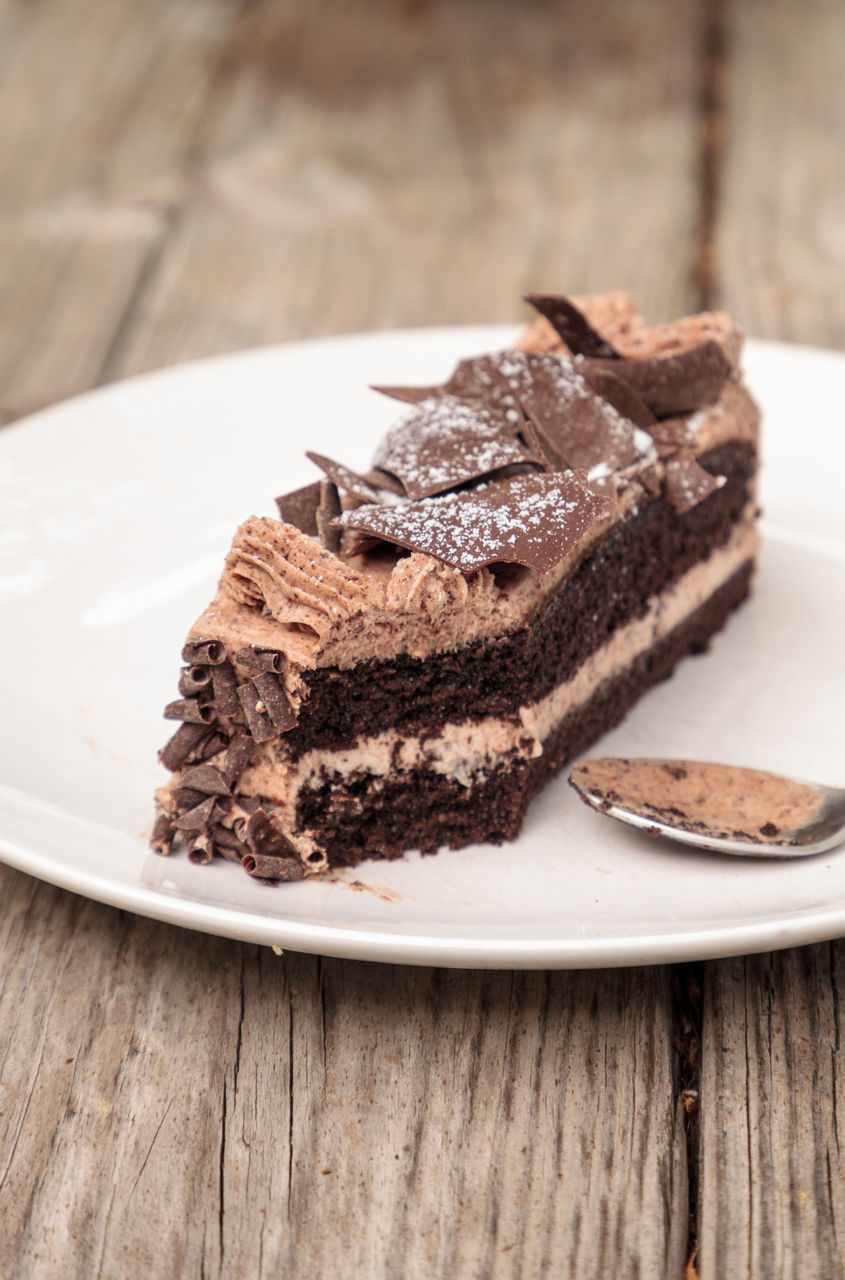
pixel 408 395
pixel 161 841
pixel 226 843
pixel 204 653
pixel 207 779
pixel 265 839
pixel 185 798
pixel 190 710
pixel 260 725
pixel 266 867
pixel 210 746
pixel 225 688
pixel 194 680
pixel 572 325
pixel 276 701
pixel 177 750
pixel 238 755
pixel 200 850
pixel 261 659
pixel 329 508
pixel 198 818
pixel 299 508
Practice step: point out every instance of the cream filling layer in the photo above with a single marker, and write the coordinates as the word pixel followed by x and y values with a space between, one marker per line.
pixel 466 750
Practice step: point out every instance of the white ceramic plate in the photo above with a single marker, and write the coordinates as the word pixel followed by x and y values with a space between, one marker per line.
pixel 116 510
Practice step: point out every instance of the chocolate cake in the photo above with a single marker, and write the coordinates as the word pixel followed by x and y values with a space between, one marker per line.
pixel 404 658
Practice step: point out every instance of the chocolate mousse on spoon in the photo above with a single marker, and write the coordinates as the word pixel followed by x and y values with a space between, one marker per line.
pixel 715 806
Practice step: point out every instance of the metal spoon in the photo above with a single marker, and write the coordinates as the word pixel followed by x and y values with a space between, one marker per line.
pixel 716 806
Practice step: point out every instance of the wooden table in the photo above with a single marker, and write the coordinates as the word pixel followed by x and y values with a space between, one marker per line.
pixel 183 177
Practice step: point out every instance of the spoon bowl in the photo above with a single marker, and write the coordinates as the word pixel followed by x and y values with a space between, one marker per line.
pixel 727 808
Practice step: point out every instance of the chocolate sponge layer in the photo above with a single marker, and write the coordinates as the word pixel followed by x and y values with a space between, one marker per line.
pixel 360 817
pixel 640 558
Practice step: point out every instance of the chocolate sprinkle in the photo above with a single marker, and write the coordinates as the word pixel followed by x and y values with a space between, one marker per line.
pixel 185 798
pixel 266 867
pixel 260 658
pixel 687 483
pixel 275 699
pixel 572 325
pixel 672 384
pixel 177 750
pixel 238 755
pixel 225 688
pixel 260 725
pixel 446 442
pixel 299 508
pixel 190 710
pixel 329 508
pixel 203 653
pixel 205 778
pixel 531 520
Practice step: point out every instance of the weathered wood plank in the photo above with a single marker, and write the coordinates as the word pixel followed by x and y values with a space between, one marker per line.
pixel 780 243
pixel 427 164
pixel 772 1180
pixel 183 1105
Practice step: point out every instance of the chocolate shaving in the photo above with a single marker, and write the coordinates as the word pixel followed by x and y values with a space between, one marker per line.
pixel 210 746
pixel 198 818
pixel 186 798
pixel 409 395
pixel 572 325
pixel 161 840
pixel 578 429
pixel 446 442
pixel 621 395
pixel 238 755
pixel 263 867
pixel 226 843
pixel 670 435
pixel 671 384
pixel 329 508
pixel 687 483
pixel 260 725
pixel 225 688
pixel 203 653
pixel 260 658
pixel 194 680
pixel 190 710
pixel 276 701
pixel 347 480
pixel 178 748
pixel 265 839
pixel 299 508
pixel 205 778
pixel 531 520
pixel 200 850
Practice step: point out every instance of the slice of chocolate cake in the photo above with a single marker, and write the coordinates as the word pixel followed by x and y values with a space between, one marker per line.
pixel 404 658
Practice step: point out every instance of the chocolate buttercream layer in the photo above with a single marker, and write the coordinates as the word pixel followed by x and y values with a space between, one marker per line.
pixel 639 559
pixel 365 816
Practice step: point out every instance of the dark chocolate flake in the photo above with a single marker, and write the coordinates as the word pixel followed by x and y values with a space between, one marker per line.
pixel 238 755
pixel 276 701
pixel 226 843
pixel 185 798
pixel 205 778
pixel 266 839
pixel 198 818
pixel 190 710
pixel 260 725
pixel 204 653
pixel 531 520
pixel 346 479
pixel 200 850
pixel 328 509
pixel 161 840
pixel 260 658
pixel 572 326
pixel 621 395
pixel 687 483
pixel 673 384
pixel 225 687
pixel 178 749
pixel 264 867
pixel 211 745
pixel 299 508
pixel 194 680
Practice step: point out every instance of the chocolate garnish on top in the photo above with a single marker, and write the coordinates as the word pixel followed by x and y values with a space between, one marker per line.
pixel 203 653
pixel 687 483
pixel 299 508
pixel 621 395
pixel 534 520
pixel 446 442
pixel 572 326
pixel 348 480
pixel 673 384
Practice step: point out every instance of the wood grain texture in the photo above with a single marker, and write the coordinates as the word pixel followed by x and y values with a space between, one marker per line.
pixel 180 1105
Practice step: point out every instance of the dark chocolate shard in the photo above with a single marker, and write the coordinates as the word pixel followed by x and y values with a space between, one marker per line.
pixel 161 840
pixel 264 867
pixel 276 701
pixel 687 483
pixel 178 748
pixel 205 778
pixel 225 688
pixel 672 384
pixel 530 520
pixel 198 818
pixel 622 396
pixel 266 839
pixel 260 658
pixel 347 480
pixel 446 442
pixel 238 755
pixel 578 429
pixel 328 509
pixel 572 325
pixel 260 725
pixel 190 710
pixel 299 508
pixel 409 395
pixel 671 435
pixel 203 653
